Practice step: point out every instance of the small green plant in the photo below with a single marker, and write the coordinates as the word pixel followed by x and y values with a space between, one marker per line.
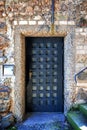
pixel 74 107
pixel 12 128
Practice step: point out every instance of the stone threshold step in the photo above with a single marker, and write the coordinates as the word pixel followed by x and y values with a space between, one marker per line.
pixel 83 109
pixel 77 120
pixel 43 121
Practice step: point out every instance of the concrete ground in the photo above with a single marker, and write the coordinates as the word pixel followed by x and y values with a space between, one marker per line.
pixel 44 121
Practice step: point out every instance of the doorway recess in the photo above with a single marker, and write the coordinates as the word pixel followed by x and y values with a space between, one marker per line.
pixel 44 74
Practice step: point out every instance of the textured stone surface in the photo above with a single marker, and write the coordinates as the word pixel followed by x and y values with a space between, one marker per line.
pixel 5 102
pixel 7 121
pixel 64 10
pixel 82 94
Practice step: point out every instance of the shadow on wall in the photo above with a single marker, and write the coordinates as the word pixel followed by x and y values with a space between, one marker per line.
pixel 82 94
pixel 83 76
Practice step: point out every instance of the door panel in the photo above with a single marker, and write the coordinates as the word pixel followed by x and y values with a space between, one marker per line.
pixel 44 74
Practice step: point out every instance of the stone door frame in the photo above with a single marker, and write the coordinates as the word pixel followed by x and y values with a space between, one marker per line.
pixel 20 32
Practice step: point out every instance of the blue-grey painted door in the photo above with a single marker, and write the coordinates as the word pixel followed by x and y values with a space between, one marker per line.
pixel 44 74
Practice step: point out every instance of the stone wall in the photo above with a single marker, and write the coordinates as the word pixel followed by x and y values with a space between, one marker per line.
pixel 81 63
pixel 70 20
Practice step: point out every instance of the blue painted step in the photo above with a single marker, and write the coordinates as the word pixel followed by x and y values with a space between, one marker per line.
pixel 83 109
pixel 77 120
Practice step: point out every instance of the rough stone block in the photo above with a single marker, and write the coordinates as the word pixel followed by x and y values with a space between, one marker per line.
pixel 82 84
pixel 5 100
pixel 62 22
pixel 2 25
pixel 2 3
pixel 37 17
pixel 80 39
pixel 4 105
pixel 3 46
pixel 56 23
pixel 79 30
pixel 83 34
pixel 82 94
pixel 77 34
pixel 85 30
pixel 32 22
pixel 4 95
pixel 2 60
pixel 79 66
pixel 5 89
pixel 23 22
pixel 41 22
pixel 79 47
pixel 7 121
pixel 71 23
pixel 81 52
pixel 85 47
pixel 15 23
pixel 1 39
pixel 1 53
pixel 81 58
